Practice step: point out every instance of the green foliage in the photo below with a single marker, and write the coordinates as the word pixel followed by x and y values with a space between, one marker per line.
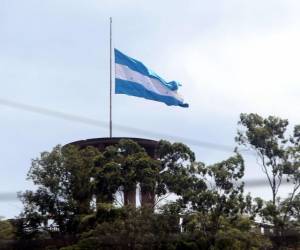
pixel 277 152
pixel 136 228
pixel 6 230
pixel 225 195
pixel 64 189
pixel 178 169
pixel 122 167
pixel 237 234
pixel 68 178
pixel 142 229
pixel 77 189
pixel 279 156
pixel 107 181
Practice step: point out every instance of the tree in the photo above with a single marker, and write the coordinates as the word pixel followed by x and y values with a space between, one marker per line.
pixel 64 189
pixel 221 202
pixel 177 168
pixel 77 192
pixel 267 137
pixel 122 167
pixel 279 156
pixel 107 175
pixel 129 152
pixel 131 228
pixel 228 189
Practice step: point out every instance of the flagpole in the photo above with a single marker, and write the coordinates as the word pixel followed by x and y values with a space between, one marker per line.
pixel 110 77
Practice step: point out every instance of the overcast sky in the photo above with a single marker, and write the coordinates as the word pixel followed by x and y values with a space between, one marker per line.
pixel 231 56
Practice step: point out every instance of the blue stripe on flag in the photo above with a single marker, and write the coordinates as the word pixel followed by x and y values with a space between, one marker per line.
pixel 135 89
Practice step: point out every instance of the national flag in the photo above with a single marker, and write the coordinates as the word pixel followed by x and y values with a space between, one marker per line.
pixel 134 78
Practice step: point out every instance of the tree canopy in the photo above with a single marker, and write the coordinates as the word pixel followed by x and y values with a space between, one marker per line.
pixel 88 196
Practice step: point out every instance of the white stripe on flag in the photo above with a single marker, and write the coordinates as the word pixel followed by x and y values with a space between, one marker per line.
pixel 124 73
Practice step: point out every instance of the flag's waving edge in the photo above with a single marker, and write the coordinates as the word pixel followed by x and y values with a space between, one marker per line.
pixel 134 78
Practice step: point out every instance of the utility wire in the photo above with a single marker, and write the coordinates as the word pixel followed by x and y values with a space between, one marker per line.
pixel 102 124
pixel 254 183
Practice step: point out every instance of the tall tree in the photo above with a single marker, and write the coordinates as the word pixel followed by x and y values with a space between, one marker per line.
pixel 177 162
pixel 279 156
pixel 64 188
pixel 222 199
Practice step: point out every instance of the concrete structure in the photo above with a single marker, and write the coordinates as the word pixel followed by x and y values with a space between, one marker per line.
pixel 147 198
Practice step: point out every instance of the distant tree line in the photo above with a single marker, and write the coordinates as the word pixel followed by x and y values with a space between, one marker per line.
pixel 85 198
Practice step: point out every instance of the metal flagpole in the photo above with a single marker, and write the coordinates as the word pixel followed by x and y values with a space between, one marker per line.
pixel 110 77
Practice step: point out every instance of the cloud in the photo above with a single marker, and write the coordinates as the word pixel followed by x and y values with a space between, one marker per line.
pixel 257 72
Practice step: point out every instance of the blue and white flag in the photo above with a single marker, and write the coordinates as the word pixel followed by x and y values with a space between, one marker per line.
pixel 134 78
